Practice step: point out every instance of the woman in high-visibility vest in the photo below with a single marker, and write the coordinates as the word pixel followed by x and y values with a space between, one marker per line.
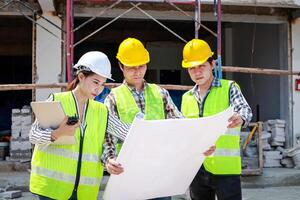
pixel 74 171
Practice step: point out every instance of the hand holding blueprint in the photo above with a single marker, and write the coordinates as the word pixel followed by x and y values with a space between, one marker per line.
pixel 161 157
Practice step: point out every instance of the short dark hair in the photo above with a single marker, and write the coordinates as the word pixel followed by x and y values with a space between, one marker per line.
pixel 210 60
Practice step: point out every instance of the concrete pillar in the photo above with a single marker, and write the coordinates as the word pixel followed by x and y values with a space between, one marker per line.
pixel 296 67
pixel 48 55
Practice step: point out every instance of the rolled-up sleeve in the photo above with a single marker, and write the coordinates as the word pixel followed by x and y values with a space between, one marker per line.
pixel 38 135
pixel 238 101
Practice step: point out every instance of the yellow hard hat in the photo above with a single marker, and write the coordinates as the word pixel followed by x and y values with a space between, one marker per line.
pixel 132 53
pixel 196 52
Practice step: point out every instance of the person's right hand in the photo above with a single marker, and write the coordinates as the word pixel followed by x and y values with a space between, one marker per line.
pixel 113 167
pixel 64 129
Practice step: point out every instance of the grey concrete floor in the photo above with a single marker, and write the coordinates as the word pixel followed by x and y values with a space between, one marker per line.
pixel 272 193
pixel 254 188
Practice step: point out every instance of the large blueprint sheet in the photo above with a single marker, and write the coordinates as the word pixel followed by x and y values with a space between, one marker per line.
pixel 161 157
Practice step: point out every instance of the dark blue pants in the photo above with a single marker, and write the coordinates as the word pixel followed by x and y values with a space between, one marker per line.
pixel 43 198
pixel 206 185
pixel 73 197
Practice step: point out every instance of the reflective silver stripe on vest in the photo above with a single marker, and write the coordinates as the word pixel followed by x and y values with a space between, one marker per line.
pixel 232 131
pixel 64 177
pixel 227 152
pixel 68 153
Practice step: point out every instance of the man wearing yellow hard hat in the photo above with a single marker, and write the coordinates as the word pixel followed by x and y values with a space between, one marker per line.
pixel 135 95
pixel 220 174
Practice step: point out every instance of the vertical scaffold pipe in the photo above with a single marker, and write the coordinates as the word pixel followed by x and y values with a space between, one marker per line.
pixel 69 39
pixel 219 43
pixel 197 17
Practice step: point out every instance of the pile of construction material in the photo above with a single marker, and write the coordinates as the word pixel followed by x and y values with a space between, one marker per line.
pixel 273 134
pixel 20 147
pixel 273 141
pixel 291 157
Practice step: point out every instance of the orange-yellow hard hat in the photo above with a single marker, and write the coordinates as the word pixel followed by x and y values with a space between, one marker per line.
pixel 196 52
pixel 132 53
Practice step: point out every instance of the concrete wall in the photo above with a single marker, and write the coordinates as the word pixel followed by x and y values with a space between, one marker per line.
pixel 168 56
pixel 296 67
pixel 48 55
pixel 260 90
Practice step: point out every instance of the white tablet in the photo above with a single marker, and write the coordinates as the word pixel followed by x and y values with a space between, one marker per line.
pixel 49 115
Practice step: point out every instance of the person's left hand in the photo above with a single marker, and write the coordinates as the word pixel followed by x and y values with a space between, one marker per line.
pixel 210 151
pixel 113 167
pixel 235 120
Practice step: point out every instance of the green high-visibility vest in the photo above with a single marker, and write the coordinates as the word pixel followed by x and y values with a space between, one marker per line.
pixel 54 167
pixel 226 159
pixel 127 107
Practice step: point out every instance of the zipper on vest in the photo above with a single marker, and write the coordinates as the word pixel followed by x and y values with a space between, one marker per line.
pixel 82 133
pixel 201 111
pixel 79 161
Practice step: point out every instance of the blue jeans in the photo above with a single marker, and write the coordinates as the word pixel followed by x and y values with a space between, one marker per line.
pixel 161 198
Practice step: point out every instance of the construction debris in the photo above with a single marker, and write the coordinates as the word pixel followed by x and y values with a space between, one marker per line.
pixel 294 153
pixel 11 194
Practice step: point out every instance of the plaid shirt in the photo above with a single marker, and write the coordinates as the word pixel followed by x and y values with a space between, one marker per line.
pixel 171 111
pixel 237 100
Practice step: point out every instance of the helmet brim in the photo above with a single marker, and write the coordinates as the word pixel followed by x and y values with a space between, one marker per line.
pixel 78 65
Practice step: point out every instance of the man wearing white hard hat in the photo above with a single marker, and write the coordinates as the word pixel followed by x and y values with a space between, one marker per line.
pixel 74 171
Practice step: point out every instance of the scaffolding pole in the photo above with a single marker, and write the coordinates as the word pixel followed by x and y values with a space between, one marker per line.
pixel 69 39
pixel 261 71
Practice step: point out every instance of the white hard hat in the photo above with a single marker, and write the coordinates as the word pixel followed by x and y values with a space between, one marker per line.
pixel 97 62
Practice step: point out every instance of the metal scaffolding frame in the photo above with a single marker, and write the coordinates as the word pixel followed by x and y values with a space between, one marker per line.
pixel 69 36
pixel 135 5
pixel 33 13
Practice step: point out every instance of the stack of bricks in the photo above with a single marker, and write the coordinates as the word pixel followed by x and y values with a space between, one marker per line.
pixel 278 132
pixel 277 129
pixel 20 147
pixel 272 158
pixel 273 139
pixel 266 137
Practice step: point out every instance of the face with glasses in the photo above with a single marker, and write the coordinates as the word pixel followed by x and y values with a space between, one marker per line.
pixel 134 75
pixel 91 85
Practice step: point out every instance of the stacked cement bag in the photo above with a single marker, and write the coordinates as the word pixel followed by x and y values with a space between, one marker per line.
pixel 20 147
